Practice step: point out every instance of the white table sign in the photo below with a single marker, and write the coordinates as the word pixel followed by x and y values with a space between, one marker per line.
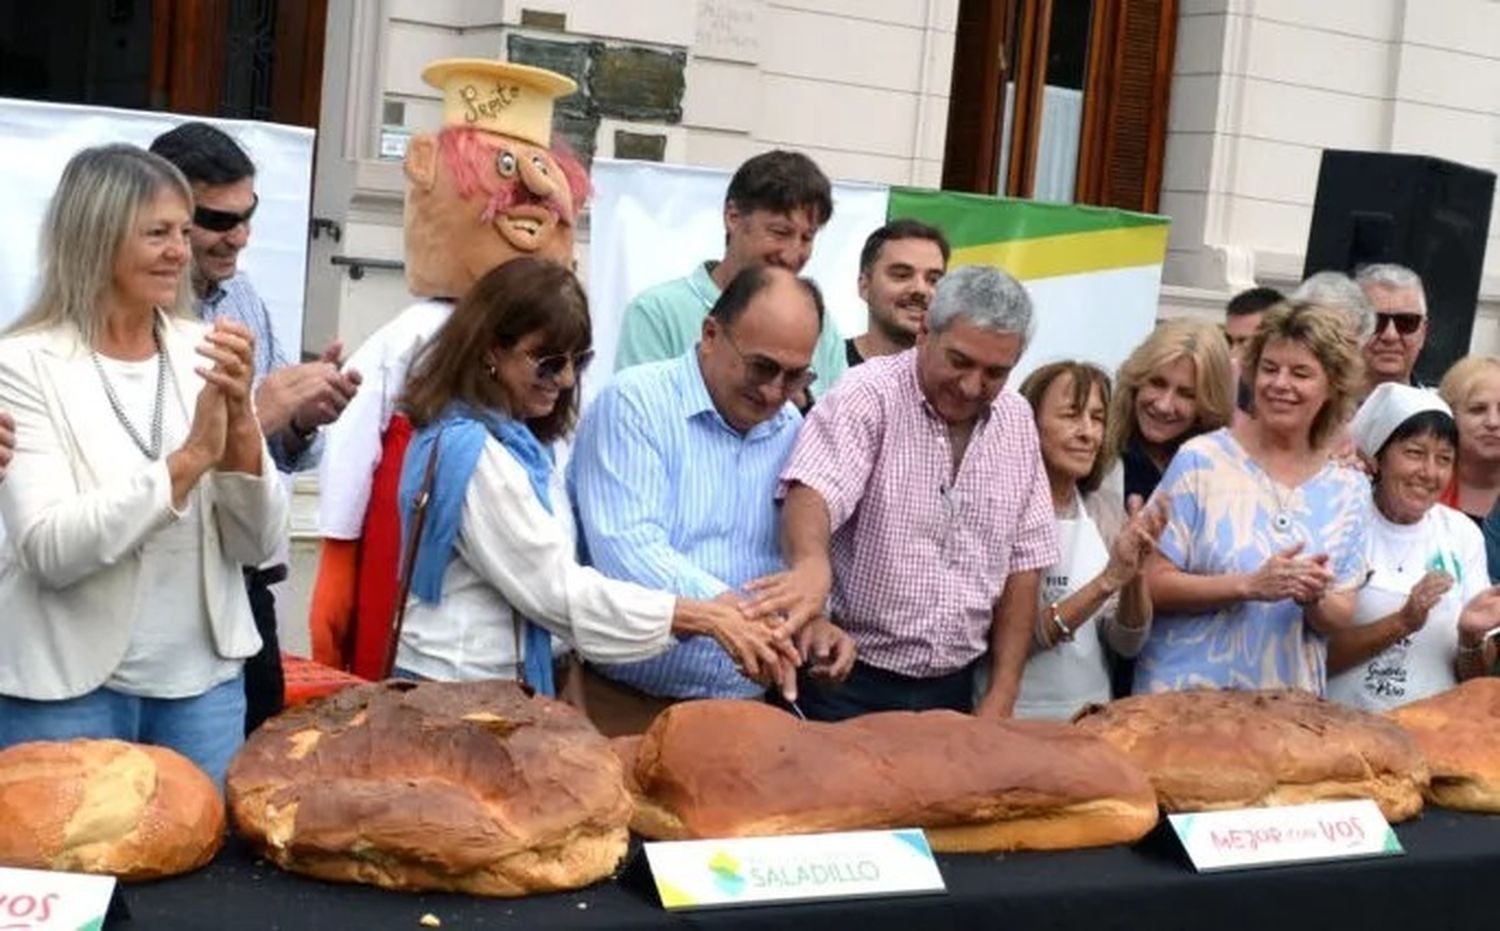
pixel 1251 837
pixel 759 870
pixel 37 900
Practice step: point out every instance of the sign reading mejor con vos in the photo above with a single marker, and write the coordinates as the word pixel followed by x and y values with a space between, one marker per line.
pixel 1247 837
pixel 37 900
pixel 751 870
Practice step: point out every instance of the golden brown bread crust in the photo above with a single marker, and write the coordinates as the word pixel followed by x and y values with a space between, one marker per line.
pixel 1207 750
pixel 739 768
pixel 472 787
pixel 1459 732
pixel 106 806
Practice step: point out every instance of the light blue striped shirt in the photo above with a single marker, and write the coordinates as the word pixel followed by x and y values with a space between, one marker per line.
pixel 670 496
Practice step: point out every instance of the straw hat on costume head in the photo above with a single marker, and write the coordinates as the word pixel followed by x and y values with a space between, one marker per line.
pixel 488 187
pixel 499 97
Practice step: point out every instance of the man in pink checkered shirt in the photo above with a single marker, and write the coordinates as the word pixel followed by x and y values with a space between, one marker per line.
pixel 915 497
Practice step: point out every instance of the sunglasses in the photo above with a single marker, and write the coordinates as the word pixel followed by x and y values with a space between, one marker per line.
pixel 552 367
pixel 1405 324
pixel 222 221
pixel 763 370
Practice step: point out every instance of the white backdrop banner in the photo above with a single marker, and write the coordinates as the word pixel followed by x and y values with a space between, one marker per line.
pixel 37 139
pixel 654 222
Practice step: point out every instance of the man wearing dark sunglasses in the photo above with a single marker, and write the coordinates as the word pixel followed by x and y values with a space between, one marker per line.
pixel 291 401
pixel 674 472
pixel 1400 306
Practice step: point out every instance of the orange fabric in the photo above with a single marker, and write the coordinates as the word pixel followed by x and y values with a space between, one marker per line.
pixel 330 617
pixel 379 574
pixel 306 679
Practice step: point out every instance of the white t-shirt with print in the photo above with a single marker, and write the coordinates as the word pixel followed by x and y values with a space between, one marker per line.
pixel 1419 664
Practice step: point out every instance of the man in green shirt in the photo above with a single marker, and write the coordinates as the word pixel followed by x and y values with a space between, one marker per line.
pixel 775 205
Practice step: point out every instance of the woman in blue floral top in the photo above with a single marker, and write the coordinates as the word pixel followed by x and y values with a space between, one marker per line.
pixel 1265 544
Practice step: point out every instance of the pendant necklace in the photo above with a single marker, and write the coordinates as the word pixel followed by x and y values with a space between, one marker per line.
pixel 1281 519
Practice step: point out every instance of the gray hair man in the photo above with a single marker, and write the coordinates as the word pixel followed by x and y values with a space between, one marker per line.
pixel 916 506
pixel 1400 306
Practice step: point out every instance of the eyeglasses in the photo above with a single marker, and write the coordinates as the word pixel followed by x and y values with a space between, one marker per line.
pixel 222 221
pixel 1405 324
pixel 551 367
pixel 764 370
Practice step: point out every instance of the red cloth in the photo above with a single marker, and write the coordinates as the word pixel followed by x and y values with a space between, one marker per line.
pixel 1450 494
pixel 307 680
pixel 379 574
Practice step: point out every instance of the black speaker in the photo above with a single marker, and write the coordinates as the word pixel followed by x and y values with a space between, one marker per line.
pixel 1431 215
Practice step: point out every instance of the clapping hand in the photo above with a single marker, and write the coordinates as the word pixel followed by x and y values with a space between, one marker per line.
pixel 1304 579
pixel 1430 588
pixel 230 346
pixel 1481 616
pixel 307 396
pixel 1137 539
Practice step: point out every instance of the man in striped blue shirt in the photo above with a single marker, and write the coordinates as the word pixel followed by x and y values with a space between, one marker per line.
pixel 674 468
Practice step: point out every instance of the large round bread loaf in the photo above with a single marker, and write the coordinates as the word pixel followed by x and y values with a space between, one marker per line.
pixel 106 806
pixel 1459 732
pixel 1207 750
pixel 738 768
pixel 472 787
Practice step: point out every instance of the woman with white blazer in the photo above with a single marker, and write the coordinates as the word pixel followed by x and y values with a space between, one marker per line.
pixel 140 482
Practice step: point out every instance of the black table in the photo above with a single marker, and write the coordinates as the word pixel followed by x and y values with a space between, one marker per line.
pixel 1445 880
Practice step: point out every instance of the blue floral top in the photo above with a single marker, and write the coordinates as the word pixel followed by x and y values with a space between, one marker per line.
pixel 1229 516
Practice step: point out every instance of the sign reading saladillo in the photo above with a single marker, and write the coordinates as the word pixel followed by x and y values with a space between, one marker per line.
pixel 760 870
pixel 1251 837
pixel 36 900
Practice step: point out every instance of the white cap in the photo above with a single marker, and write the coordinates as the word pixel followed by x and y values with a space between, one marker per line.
pixel 1388 407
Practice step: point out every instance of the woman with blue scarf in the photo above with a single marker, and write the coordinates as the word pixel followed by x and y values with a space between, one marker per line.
pixel 495 575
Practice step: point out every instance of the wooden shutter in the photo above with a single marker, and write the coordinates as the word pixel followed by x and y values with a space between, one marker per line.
pixel 187 55
pixel 1125 103
pixel 190 60
pixel 976 101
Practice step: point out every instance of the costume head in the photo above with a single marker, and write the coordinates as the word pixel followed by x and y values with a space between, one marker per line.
pixel 487 187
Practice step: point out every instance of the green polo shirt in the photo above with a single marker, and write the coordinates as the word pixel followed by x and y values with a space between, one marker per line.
pixel 664 321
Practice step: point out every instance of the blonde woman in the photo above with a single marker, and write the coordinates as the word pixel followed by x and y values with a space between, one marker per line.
pixel 140 482
pixel 1265 538
pixel 1176 385
pixel 1472 390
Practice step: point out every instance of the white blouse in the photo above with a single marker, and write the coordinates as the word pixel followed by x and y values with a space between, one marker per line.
pixel 512 555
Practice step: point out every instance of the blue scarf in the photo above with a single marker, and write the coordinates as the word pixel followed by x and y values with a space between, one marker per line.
pixel 460 434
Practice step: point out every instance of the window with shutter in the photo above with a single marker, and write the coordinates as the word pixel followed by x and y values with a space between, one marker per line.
pixel 1062 100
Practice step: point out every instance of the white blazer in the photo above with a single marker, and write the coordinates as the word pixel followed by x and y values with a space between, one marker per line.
pixel 75 523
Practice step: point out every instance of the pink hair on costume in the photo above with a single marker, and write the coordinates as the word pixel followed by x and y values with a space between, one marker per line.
pixel 472 163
